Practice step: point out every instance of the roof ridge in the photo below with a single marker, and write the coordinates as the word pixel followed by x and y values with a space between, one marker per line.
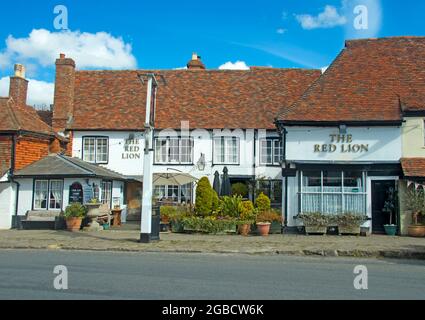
pixel 354 42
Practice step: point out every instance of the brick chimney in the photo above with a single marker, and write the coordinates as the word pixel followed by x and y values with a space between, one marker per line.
pixel 63 107
pixel 195 63
pixel 18 88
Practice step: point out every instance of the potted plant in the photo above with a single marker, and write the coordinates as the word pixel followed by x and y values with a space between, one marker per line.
pixel 390 207
pixel 415 203
pixel 349 223
pixel 247 217
pixel 74 215
pixel 264 221
pixel 315 222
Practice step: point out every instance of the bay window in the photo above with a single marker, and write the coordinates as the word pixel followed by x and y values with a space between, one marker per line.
pixel 48 194
pixel 172 150
pixel 270 151
pixel 332 192
pixel 96 149
pixel 226 150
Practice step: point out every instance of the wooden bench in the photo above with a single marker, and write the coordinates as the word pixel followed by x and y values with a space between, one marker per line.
pixel 43 220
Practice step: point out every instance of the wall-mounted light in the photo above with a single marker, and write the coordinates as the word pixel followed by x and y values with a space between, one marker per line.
pixel 342 129
pixel 201 164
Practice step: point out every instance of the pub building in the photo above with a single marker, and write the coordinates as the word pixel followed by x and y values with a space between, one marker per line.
pixel 343 138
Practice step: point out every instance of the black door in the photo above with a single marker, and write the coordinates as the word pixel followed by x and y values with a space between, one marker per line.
pixel 379 196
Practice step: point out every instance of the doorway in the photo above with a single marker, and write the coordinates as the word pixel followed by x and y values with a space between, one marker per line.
pixel 379 197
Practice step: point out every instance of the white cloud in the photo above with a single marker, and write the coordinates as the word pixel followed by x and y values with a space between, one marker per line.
pixel 238 65
pixel 329 18
pixel 39 92
pixel 281 31
pixel 89 50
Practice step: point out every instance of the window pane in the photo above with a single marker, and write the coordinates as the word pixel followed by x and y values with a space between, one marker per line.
pixel 173 150
pixel 218 150
pixel 186 150
pixel 311 203
pixel 231 150
pixel 278 151
pixel 173 193
pixel 106 192
pixel 161 151
pixel 355 203
pixel 102 150
pixel 312 180
pixel 40 194
pixel 353 181
pixel 89 149
pixel 332 181
pixel 266 151
pixel 55 202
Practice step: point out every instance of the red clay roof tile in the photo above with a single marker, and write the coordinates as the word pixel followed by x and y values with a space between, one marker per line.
pixel 413 167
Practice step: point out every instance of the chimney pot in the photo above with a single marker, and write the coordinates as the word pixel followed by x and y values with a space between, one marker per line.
pixel 195 63
pixel 62 56
pixel 19 71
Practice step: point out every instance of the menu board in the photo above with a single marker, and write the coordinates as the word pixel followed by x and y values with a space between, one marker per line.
pixel 88 194
pixel 76 193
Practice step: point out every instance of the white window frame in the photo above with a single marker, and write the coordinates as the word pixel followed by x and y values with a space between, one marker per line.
pixel 166 189
pixel 48 198
pixel 106 192
pixel 274 153
pixel 172 157
pixel 226 158
pixel 94 153
pixel 343 193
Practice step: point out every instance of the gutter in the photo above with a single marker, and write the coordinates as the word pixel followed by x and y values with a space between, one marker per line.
pixel 11 177
pixel 283 133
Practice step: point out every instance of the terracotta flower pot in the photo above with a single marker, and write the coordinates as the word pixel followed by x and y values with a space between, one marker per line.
pixel 73 224
pixel 244 229
pixel 263 228
pixel 417 231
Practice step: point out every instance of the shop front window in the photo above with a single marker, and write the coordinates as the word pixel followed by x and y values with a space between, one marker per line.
pixel 48 194
pixel 333 192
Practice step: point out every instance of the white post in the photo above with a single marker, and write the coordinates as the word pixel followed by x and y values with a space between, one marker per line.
pixel 146 225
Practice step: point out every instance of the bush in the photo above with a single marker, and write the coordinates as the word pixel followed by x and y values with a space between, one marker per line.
pixel 269 216
pixel 75 210
pixel 240 189
pixel 262 203
pixel 204 197
pixel 211 225
pixel 231 206
pixel 215 203
pixel 314 219
pixel 247 212
pixel 348 220
pixel 175 213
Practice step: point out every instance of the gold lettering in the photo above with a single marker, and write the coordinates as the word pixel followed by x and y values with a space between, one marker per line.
pixel 317 148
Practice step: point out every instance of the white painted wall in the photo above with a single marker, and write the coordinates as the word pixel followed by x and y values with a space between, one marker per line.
pixel 25 196
pixel 384 144
pixel 203 144
pixel 7 204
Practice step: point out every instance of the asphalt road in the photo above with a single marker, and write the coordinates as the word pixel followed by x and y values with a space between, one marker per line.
pixel 102 275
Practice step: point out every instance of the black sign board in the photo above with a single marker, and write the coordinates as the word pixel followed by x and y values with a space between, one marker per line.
pixel 76 193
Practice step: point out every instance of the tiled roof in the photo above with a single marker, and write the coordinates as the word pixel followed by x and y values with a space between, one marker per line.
pixel 413 167
pixel 210 99
pixel 63 166
pixel 25 118
pixel 46 116
pixel 371 80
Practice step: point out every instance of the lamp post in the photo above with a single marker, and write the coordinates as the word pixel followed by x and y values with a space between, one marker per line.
pixel 146 224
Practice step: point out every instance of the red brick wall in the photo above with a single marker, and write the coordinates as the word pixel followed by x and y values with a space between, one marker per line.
pixel 64 92
pixel 5 153
pixel 30 150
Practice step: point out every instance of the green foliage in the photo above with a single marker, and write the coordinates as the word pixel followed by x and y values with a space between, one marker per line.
pixel 415 200
pixel 348 220
pixel 209 224
pixel 240 189
pixel 231 206
pixel 314 219
pixel 247 212
pixel 94 201
pixel 175 213
pixel 204 197
pixel 269 216
pixel 75 210
pixel 262 203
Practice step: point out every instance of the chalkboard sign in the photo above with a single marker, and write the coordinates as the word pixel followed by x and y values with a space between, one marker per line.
pixel 76 193
pixel 88 193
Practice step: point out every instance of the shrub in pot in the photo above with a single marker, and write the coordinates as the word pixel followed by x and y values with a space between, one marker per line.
pixel 74 215
pixel 263 223
pixel 315 222
pixel 415 204
pixel 247 217
pixel 263 203
pixel 176 215
pixel 390 207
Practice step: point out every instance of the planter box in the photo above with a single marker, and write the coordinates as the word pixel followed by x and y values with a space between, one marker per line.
pixel 315 230
pixel 349 230
pixel 177 227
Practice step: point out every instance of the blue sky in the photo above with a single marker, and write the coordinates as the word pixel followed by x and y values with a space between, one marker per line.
pixel 163 34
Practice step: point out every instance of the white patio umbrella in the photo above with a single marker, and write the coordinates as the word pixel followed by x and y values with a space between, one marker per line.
pixel 174 179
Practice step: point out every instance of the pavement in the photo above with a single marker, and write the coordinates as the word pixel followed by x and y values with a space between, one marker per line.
pixel 29 274
pixel 125 240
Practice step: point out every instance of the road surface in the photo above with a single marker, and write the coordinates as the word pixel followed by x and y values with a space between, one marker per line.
pixel 111 275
